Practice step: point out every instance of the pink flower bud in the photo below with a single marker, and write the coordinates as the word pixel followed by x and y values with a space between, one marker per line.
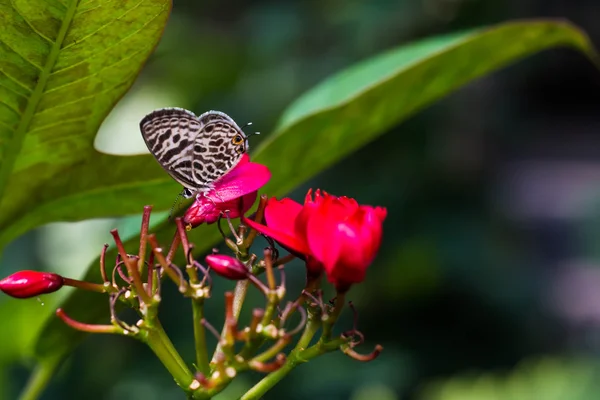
pixel 25 284
pixel 226 266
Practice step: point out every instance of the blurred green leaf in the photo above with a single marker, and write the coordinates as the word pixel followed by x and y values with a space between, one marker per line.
pixel 63 67
pixel 361 103
pixel 337 117
pixel 545 378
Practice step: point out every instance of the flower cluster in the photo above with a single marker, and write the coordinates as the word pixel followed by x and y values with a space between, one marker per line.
pixel 335 236
pixel 332 234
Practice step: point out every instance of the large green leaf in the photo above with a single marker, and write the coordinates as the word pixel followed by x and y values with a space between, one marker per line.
pixel 63 66
pixel 340 115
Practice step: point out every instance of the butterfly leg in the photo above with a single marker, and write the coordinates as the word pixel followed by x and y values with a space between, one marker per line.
pixel 186 194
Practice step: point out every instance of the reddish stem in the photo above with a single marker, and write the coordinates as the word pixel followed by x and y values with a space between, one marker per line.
pixel 183 236
pixel 190 268
pixel 230 321
pixel 103 263
pixel 269 269
pixel 144 236
pixel 257 316
pixel 132 269
pixel 268 367
pixel 174 246
pixel 150 273
pixel 80 326
pixel 166 264
pixel 363 357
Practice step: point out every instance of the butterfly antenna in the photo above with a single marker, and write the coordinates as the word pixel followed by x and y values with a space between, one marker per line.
pixel 251 134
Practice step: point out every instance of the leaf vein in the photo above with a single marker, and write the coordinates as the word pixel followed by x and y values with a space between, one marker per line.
pixel 10 107
pixel 61 122
pixel 19 54
pixel 16 81
pixel 87 10
pixel 89 76
pixel 84 38
pixel 13 91
pixel 34 29
pixel 10 128
pixel 97 54
pixel 103 51
pixel 45 110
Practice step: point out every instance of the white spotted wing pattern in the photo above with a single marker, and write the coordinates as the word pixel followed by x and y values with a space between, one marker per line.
pixel 195 150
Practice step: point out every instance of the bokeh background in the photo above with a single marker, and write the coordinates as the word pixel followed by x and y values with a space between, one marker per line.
pixel 487 285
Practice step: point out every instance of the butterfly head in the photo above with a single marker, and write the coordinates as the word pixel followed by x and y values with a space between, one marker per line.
pixel 242 141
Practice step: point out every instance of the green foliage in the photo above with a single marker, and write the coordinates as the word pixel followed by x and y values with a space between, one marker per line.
pixel 64 66
pixel 546 378
pixel 337 117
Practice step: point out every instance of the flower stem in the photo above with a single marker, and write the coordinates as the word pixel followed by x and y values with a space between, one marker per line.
pixel 333 316
pixel 89 286
pixel 295 358
pixel 200 336
pixel 39 379
pixel 161 345
pixel 132 269
pixel 241 288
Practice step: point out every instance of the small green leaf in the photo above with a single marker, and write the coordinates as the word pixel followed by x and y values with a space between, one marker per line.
pixel 339 116
pixel 63 66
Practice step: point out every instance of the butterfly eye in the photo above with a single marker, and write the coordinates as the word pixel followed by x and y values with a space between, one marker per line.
pixel 187 193
pixel 237 139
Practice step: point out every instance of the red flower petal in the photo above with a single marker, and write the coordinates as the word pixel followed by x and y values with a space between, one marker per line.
pixel 205 210
pixel 343 235
pixel 321 223
pixel 281 214
pixel 291 241
pixel 245 178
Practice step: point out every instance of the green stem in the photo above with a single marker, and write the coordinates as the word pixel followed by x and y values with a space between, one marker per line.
pixel 333 316
pixel 89 286
pixel 39 379
pixel 239 295
pixel 161 345
pixel 200 336
pixel 273 350
pixel 273 301
pixel 295 358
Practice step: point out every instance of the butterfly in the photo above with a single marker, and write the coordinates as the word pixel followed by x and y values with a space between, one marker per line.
pixel 195 150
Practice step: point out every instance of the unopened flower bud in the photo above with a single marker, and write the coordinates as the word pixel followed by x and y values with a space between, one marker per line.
pixel 226 266
pixel 25 284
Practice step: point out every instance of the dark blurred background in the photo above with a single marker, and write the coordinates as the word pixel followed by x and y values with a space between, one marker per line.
pixel 487 285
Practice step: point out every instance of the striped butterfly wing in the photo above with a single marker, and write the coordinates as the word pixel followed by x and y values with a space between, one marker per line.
pixel 195 151
pixel 169 135
pixel 218 147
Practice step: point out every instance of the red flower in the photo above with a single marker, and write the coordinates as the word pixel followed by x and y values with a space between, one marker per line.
pixel 333 233
pixel 226 266
pixel 235 192
pixel 25 284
